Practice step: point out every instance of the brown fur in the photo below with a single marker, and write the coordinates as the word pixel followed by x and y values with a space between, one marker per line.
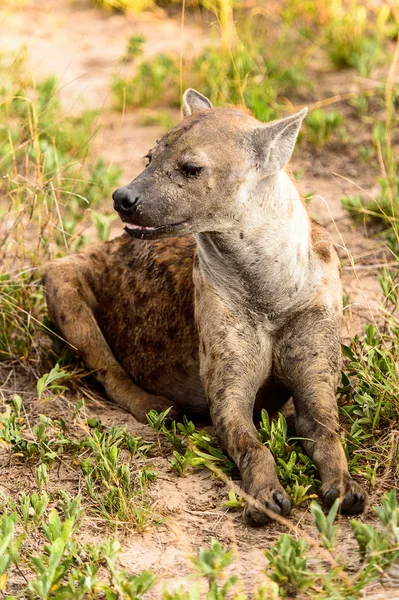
pixel 321 242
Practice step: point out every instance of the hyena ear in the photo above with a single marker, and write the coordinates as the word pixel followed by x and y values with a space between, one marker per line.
pixel 193 102
pixel 274 143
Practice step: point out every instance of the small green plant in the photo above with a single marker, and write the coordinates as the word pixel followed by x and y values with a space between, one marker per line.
pixel 49 184
pixel 52 566
pixel 33 508
pixel 380 548
pixel 211 564
pixel 321 125
pixel 288 566
pixel 134 47
pixel 51 381
pixel 132 587
pixel 102 223
pixel 384 207
pixel 243 71
pixel 45 440
pixel 41 476
pixel 325 524
pixel 369 390
pixel 154 79
pixel 295 470
pixel 234 502
pixel 9 547
pixel 62 567
pixel 200 447
pixel 350 41
pixel 109 483
pixel 182 463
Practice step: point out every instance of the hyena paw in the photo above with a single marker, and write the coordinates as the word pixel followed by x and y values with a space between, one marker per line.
pixel 353 496
pixel 272 497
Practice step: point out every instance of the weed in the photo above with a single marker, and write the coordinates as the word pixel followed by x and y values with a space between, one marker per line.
pixel 132 587
pixel 234 502
pixel 21 310
pixel 159 118
pixel 134 47
pixel 108 480
pixel 295 470
pixel 241 72
pixel 211 564
pixel 152 81
pixel 49 181
pixel 325 524
pixel 289 567
pixel 385 207
pixel 157 421
pixel 41 476
pixel 370 390
pixel 33 508
pixel 64 568
pixel 347 35
pixel 50 381
pixel 321 125
pixel 46 439
pixel 9 548
pixel 200 448
pixel 102 223
pixel 380 548
pixel 360 104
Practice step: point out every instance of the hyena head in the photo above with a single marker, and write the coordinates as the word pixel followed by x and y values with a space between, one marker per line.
pixel 209 173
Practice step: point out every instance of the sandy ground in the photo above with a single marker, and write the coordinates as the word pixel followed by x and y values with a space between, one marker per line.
pixel 83 47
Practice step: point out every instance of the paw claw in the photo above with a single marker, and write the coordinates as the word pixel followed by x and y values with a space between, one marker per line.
pixel 274 500
pixel 353 497
pixel 330 497
pixel 284 503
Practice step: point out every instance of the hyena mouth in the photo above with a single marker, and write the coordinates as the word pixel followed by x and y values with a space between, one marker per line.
pixel 141 232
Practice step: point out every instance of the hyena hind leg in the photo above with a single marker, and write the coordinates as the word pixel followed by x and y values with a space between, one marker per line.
pixel 72 304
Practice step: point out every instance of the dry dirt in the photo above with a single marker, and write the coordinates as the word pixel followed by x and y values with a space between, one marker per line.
pixel 82 46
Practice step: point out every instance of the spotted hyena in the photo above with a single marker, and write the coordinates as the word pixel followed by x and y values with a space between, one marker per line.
pixel 222 296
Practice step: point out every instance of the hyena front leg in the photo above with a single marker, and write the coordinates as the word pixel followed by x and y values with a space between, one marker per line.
pixel 308 360
pixel 72 305
pixel 234 362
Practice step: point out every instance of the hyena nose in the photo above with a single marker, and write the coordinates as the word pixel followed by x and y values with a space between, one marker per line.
pixel 125 200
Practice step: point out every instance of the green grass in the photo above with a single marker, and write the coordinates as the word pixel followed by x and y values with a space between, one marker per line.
pixel 384 208
pixel 108 458
pixel 369 392
pixel 321 125
pixel 63 567
pixel 246 74
pixel 50 189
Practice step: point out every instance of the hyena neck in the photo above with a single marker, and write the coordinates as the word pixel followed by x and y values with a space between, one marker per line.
pixel 266 259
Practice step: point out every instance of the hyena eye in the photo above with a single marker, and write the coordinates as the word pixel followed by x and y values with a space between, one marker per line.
pixel 191 170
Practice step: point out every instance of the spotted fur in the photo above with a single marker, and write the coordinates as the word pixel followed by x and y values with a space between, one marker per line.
pixel 236 309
